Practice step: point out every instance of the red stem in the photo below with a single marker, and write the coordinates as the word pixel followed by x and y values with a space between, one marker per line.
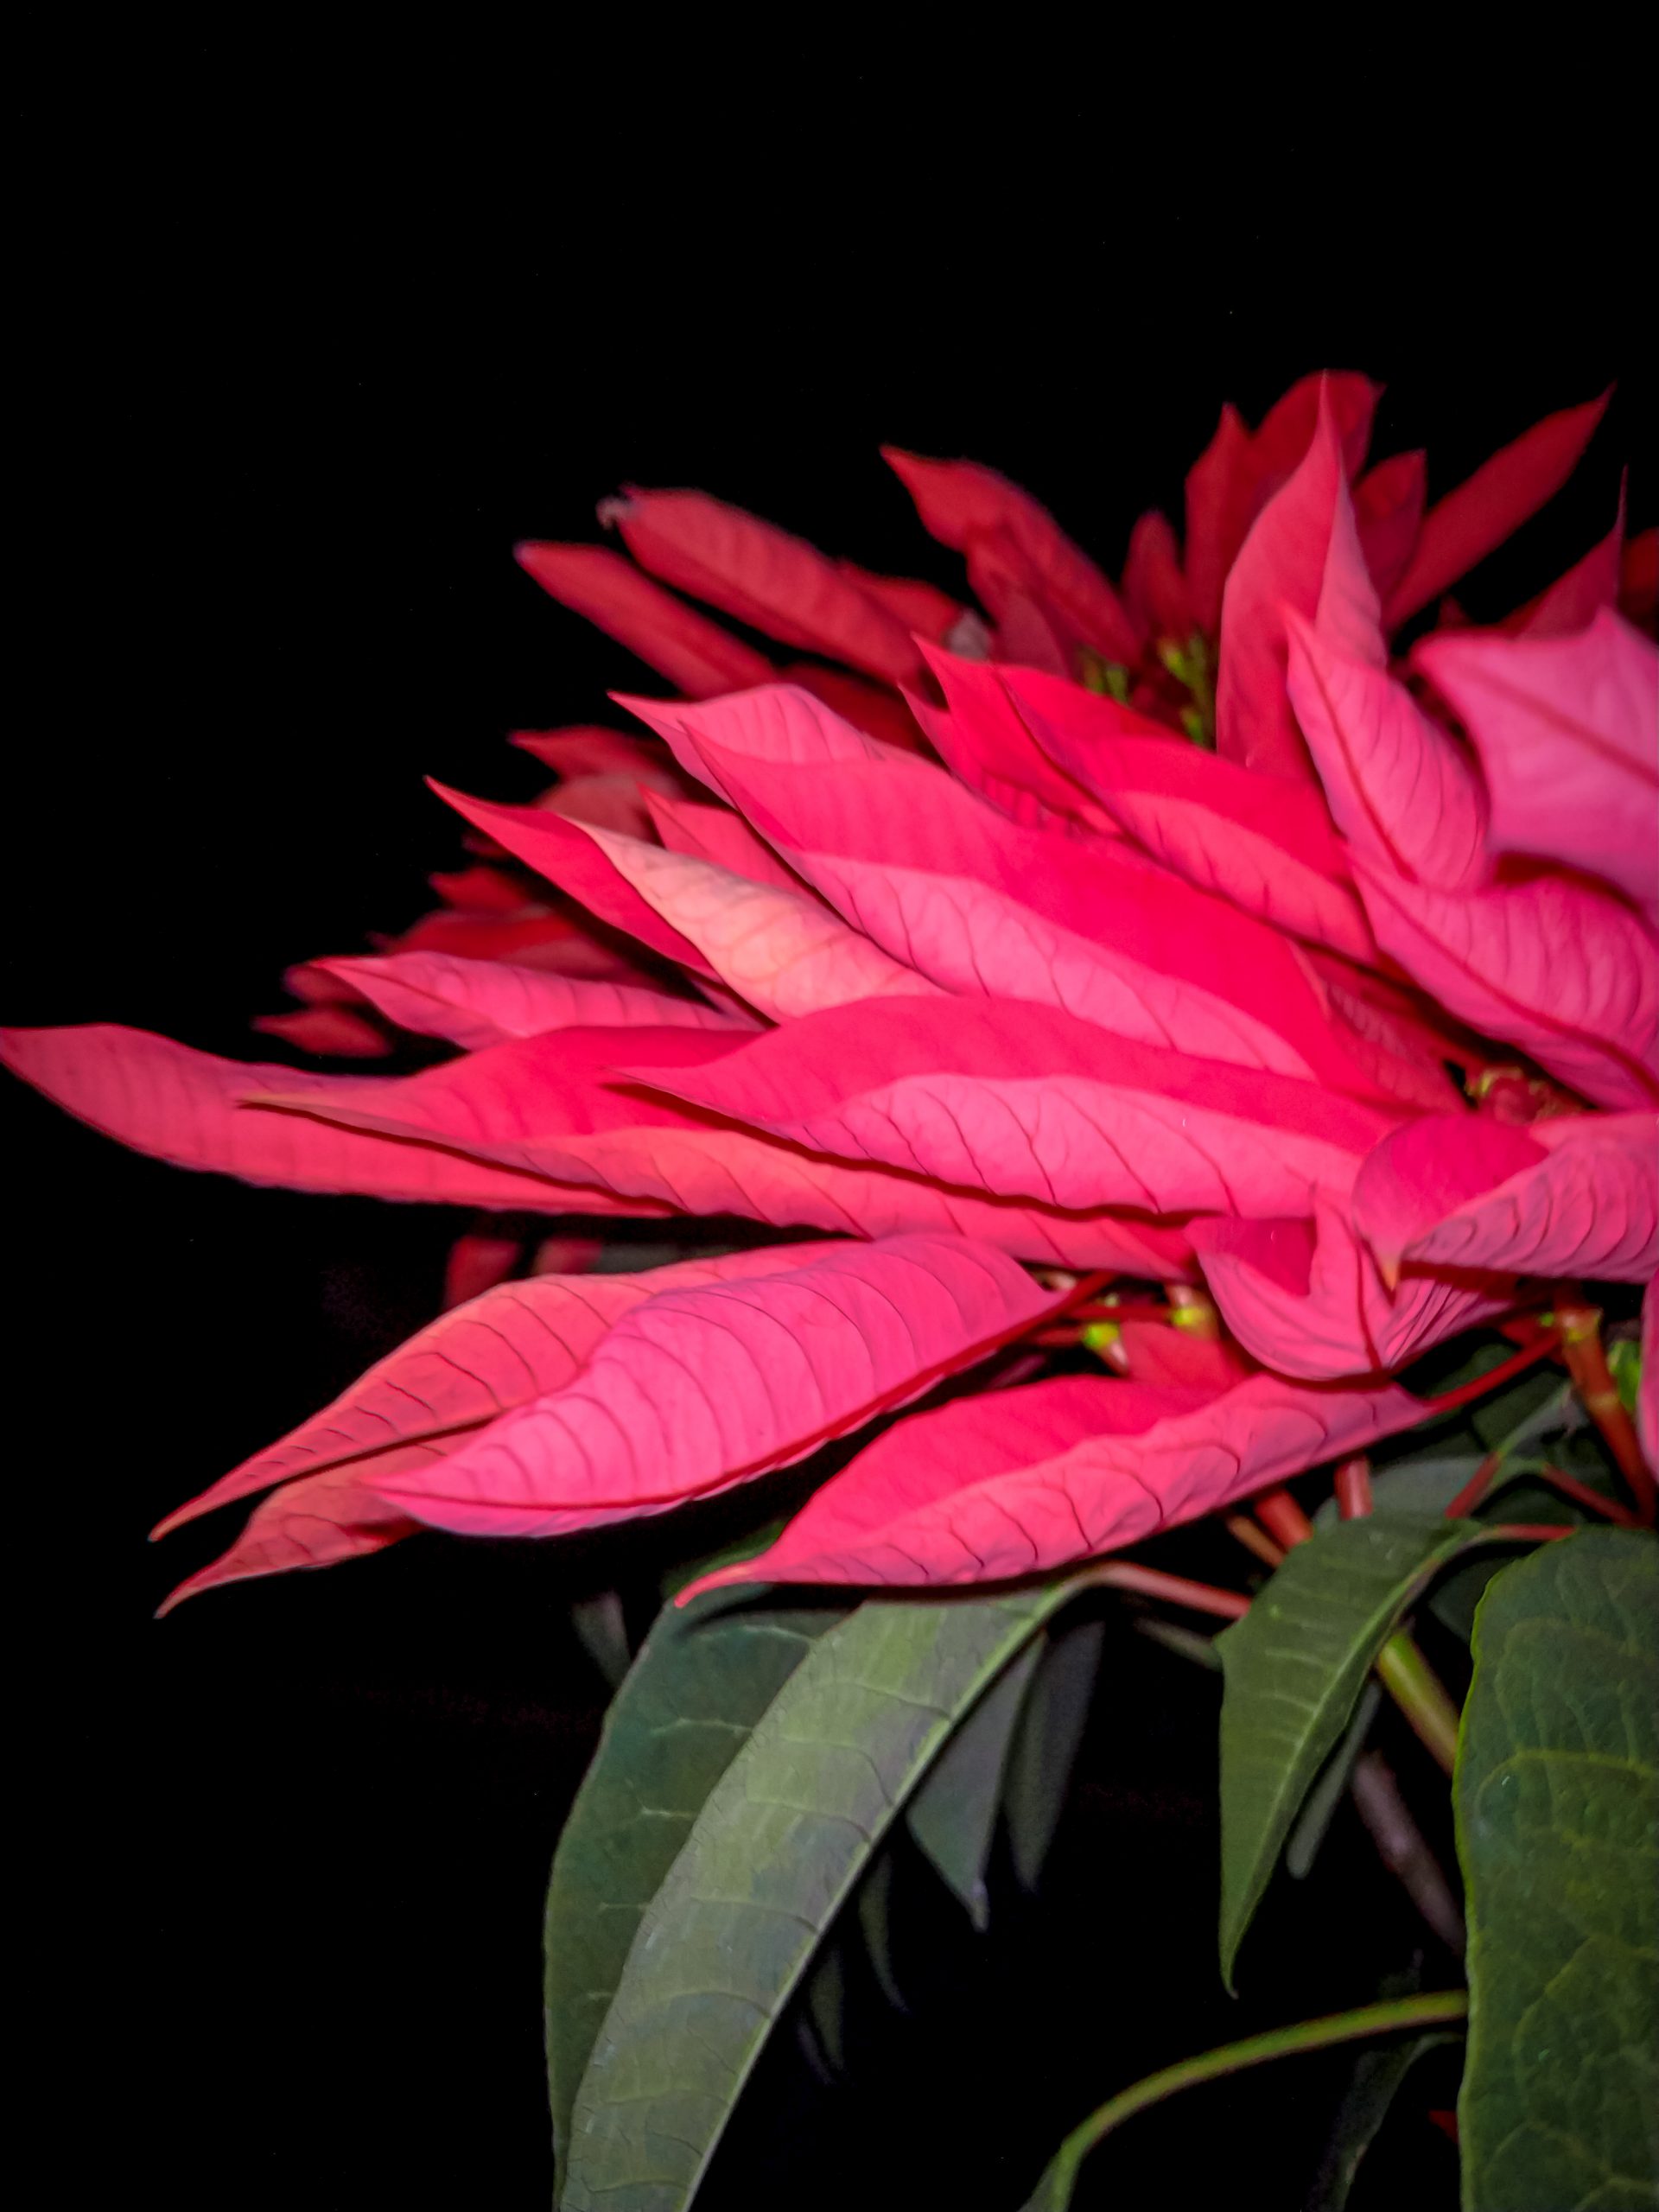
pixel 1282 1518
pixel 1495 1376
pixel 1592 1502
pixel 1586 1363
pixel 1354 1488
pixel 1197 1596
pixel 1476 1488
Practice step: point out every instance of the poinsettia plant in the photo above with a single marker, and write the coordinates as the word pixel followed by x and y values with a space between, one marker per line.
pixel 1093 1057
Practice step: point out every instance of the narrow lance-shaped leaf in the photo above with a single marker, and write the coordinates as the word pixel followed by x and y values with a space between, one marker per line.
pixel 1015 1097
pixel 1293 1668
pixel 695 655
pixel 476 1003
pixel 1475 517
pixel 763 576
pixel 1045 1475
pixel 701 1680
pixel 558 1105
pixel 954 1813
pixel 700 1388
pixel 1557 1799
pixel 187 1107
pixel 774 1855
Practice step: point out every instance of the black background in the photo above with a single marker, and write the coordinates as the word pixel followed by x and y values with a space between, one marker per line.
pixel 304 348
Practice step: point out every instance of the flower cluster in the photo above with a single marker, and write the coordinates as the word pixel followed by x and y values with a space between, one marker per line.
pixel 1182 936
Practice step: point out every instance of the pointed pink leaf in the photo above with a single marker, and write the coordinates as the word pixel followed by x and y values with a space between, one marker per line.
pixel 1577 1195
pixel 716 834
pixel 1470 522
pixel 782 952
pixel 772 581
pixel 1218 515
pixel 480 891
pixel 533 937
pixel 695 655
pixel 1278 448
pixel 506 1348
pixel 1263 844
pixel 1159 599
pixel 184 1106
pixel 1027 1480
pixel 1568 731
pixel 1021 1099
pixel 1025 636
pixel 1551 965
pixel 1282 566
pixel 958 500
pixel 1030 626
pixel 317 1522
pixel 478 1002
pixel 983 739
pixel 879 713
pixel 1402 790
pixel 590 751
pixel 563 1103
pixel 985 906
pixel 574 856
pixel 1574 601
pixel 608 802
pixel 698 1388
pixel 332 1031
pixel 1237 474
pixel 779 723
pixel 1307 1298
pixel 918 607
pixel 1389 512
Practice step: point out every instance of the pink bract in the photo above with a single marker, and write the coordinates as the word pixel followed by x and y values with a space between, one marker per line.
pixel 1191 927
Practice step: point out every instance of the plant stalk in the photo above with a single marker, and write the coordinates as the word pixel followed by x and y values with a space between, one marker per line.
pixel 1434 2009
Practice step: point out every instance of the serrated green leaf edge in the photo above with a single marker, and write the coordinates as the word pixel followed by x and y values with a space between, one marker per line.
pixel 774 1854
pixel 1556 1794
pixel 702 1679
pixel 1323 1618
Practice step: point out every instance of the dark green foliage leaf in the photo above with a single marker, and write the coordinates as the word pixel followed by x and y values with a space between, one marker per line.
pixel 775 1852
pixel 953 1815
pixel 1044 1749
pixel 1293 1668
pixel 1329 1787
pixel 603 1633
pixel 703 1677
pixel 1377 2080
pixel 1557 1797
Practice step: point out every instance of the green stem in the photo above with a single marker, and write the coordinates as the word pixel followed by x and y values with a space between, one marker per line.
pixel 1054 2191
pixel 1418 1691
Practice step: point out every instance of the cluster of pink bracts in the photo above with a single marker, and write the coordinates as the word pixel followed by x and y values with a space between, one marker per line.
pixel 963 951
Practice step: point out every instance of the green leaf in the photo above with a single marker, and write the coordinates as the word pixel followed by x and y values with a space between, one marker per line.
pixel 1046 1748
pixel 953 1815
pixel 1557 1802
pixel 775 1852
pixel 702 1678
pixel 602 1632
pixel 1060 2177
pixel 1377 2080
pixel 1294 1669
pixel 1329 1788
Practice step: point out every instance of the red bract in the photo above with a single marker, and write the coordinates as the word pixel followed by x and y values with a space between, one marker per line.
pixel 1175 931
